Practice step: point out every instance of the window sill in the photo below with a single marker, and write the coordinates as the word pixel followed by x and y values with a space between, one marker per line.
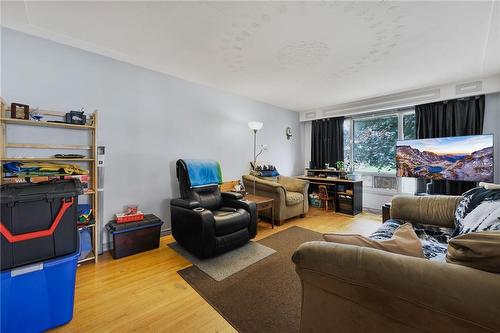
pixel 380 191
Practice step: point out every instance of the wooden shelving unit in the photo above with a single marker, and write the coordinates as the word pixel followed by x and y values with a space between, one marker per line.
pixel 45 123
pixel 348 194
pixel 46 159
pixel 89 160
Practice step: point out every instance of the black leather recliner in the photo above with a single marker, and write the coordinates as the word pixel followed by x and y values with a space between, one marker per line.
pixel 207 222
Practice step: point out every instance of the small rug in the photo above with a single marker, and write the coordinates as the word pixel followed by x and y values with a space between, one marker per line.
pixel 264 297
pixel 226 264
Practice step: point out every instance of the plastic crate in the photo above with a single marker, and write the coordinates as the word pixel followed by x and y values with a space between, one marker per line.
pixel 314 201
pixel 38 297
pixel 135 237
pixel 38 221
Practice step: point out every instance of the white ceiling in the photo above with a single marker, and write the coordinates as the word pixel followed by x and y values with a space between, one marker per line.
pixel 297 55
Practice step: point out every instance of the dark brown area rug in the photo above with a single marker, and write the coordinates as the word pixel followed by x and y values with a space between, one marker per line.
pixel 264 297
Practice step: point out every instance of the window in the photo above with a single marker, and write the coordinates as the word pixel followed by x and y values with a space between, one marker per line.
pixel 347 140
pixel 409 129
pixel 370 145
pixel 374 146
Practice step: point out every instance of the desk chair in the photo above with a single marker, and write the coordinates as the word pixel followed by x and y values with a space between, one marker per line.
pixel 325 197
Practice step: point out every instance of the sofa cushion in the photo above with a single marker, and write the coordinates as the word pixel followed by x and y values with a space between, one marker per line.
pixel 293 198
pixel 434 239
pixel 480 250
pixel 228 220
pixel 403 241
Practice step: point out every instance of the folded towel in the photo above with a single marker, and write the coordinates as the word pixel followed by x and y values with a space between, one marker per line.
pixel 203 172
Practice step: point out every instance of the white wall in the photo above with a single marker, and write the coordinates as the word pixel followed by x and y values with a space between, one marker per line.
pixel 147 120
pixel 492 125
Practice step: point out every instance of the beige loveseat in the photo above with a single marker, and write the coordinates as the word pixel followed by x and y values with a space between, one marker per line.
pixel 347 288
pixel 289 194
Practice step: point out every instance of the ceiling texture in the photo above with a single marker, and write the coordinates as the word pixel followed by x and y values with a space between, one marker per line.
pixel 296 55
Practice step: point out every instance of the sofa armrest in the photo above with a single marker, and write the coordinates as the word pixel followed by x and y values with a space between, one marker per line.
pixel 434 209
pixel 293 184
pixel 189 204
pixel 409 288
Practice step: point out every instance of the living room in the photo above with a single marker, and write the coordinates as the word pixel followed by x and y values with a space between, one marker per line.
pixel 250 166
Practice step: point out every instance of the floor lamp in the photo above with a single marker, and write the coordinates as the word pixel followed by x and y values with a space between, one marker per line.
pixel 255 126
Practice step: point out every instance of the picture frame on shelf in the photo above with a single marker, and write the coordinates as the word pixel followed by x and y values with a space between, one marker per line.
pixel 19 111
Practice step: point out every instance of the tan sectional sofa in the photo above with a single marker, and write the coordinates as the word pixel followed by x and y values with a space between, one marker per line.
pixel 347 288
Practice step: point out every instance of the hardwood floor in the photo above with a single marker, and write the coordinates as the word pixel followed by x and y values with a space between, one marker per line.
pixel 144 292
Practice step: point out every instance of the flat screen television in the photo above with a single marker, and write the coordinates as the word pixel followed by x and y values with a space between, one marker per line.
pixel 466 158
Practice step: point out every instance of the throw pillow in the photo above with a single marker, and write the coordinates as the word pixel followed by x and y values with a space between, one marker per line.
pixel 480 250
pixel 483 218
pixel 404 241
pixel 472 199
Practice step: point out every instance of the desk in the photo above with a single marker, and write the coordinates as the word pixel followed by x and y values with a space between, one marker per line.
pixel 348 193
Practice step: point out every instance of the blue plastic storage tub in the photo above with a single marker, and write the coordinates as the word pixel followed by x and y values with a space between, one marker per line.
pixel 38 297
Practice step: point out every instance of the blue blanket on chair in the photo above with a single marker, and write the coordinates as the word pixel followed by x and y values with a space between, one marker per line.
pixel 203 172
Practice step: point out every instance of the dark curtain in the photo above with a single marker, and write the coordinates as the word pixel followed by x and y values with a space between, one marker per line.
pixel 327 141
pixel 449 118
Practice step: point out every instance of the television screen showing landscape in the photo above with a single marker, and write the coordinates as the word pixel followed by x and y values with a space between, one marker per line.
pixel 468 158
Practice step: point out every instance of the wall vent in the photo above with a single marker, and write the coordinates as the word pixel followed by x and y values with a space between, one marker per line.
pixel 311 115
pixel 385 102
pixel 470 87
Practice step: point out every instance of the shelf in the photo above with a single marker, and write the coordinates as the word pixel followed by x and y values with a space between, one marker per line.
pixel 47 146
pixel 87 148
pixel 45 159
pixel 43 123
pixel 86 226
pixel 345 193
pixel 325 170
pixel 89 257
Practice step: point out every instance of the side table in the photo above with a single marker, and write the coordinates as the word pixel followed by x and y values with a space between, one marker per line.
pixel 263 203
pixel 386 212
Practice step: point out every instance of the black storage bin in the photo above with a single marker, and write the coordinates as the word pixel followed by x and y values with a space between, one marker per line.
pixel 345 204
pixel 38 221
pixel 135 237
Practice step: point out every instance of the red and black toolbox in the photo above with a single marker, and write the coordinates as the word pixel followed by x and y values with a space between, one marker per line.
pixel 38 221
pixel 135 237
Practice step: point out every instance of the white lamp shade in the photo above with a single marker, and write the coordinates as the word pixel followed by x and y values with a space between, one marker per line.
pixel 255 125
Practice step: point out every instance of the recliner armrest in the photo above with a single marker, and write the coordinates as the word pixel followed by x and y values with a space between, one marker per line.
pixel 189 204
pixel 250 207
pixel 231 195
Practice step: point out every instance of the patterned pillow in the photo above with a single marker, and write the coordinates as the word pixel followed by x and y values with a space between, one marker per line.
pixel 434 239
pixel 484 218
pixel 461 209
